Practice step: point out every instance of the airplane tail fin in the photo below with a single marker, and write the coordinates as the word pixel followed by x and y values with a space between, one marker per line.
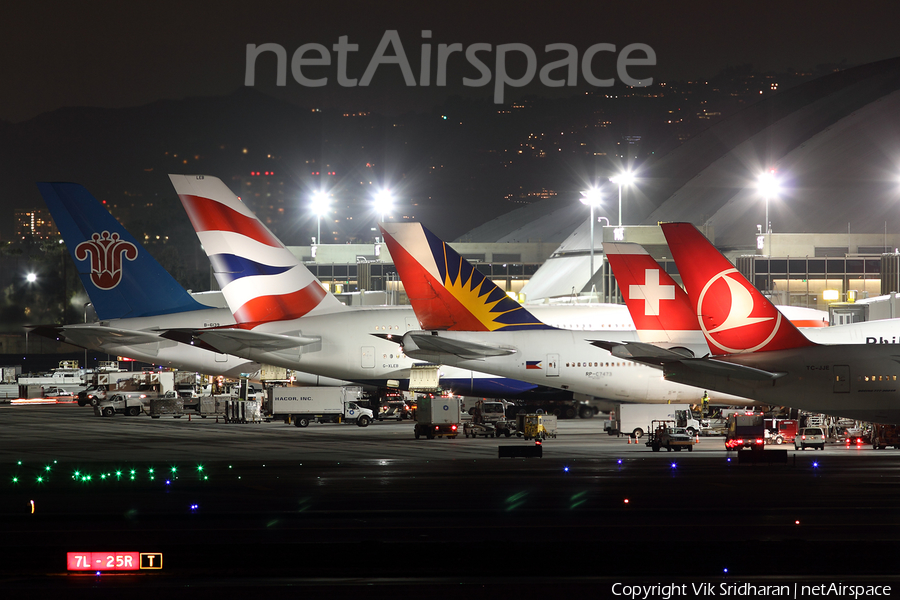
pixel 733 315
pixel 261 279
pixel 660 309
pixel 445 290
pixel 121 278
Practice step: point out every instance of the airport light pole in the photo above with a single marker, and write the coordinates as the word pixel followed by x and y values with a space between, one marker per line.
pixel 767 185
pixel 592 198
pixel 383 202
pixel 622 179
pixel 319 206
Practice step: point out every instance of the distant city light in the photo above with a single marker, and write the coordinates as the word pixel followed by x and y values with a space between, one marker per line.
pixel 31 278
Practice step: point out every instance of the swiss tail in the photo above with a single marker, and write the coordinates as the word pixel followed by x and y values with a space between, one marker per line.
pixel 733 315
pixel 660 309
pixel 121 278
pixel 445 290
pixel 261 279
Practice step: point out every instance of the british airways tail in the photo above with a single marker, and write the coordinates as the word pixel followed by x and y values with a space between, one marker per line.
pixel 261 279
pixel 660 309
pixel 121 278
pixel 733 315
pixel 445 290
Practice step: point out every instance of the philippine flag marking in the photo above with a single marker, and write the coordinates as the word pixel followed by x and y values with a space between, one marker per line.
pixel 532 364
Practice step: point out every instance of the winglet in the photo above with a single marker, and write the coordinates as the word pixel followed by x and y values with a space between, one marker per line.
pixel 121 278
pixel 734 316
pixel 261 279
pixel 445 290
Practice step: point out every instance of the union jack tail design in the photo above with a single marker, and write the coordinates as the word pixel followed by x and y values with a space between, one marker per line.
pixel 733 315
pixel 445 290
pixel 260 278
pixel 121 278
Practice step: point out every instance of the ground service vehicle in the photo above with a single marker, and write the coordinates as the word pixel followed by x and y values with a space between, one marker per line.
pixel 437 417
pixel 813 437
pixel 781 431
pixel 636 419
pixel 491 415
pixel 56 391
pixel 536 427
pixel 884 436
pixel 666 435
pixel 745 430
pixel 129 404
pixel 317 404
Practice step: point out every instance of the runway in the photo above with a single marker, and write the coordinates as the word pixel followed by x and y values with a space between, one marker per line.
pixel 284 506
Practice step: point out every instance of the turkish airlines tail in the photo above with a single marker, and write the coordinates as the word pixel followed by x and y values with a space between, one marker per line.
pixel 261 279
pixel 661 310
pixel 733 315
pixel 445 290
pixel 121 278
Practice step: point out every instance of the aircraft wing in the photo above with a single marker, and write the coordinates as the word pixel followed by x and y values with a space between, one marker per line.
pixel 434 344
pixel 231 341
pixel 648 354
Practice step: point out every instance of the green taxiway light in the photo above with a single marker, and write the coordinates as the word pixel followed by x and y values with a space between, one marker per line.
pixel 15 480
pixel 199 467
pixel 47 468
pixel 40 479
pixel 174 469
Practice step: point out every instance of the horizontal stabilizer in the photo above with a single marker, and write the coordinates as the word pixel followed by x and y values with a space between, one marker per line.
pixel 718 368
pixel 93 336
pixel 435 344
pixel 643 353
pixel 232 341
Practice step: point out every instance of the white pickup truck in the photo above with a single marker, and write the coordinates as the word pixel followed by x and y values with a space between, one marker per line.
pixel 127 403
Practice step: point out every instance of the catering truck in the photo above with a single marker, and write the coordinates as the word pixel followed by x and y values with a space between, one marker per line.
pixel 437 417
pixel 305 405
pixel 635 420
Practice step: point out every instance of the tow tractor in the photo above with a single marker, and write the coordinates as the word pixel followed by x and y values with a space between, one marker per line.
pixel 666 435
pixel 489 420
pixel 472 429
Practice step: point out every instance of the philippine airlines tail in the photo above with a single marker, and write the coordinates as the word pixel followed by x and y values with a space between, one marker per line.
pixel 121 278
pixel 445 290
pixel 259 277
pixel 733 315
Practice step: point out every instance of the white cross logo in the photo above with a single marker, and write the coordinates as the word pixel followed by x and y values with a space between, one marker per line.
pixel 651 292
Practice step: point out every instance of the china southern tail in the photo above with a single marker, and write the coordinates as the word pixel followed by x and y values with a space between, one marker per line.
pixel 133 296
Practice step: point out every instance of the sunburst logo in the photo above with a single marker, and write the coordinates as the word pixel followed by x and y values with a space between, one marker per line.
pixel 482 298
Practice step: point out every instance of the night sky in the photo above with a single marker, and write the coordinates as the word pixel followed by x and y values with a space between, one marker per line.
pixel 114 54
